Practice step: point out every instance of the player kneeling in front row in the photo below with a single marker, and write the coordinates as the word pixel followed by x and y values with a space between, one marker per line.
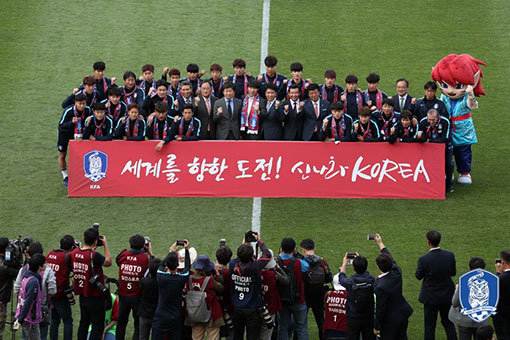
pixel 365 129
pixel 337 127
pixel 404 131
pixel 130 127
pixel 99 125
pixel 185 128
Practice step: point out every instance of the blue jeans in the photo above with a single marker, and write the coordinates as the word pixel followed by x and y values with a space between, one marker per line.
pixel 61 311
pixel 299 313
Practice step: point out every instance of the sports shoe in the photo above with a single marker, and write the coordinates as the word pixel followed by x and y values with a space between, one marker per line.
pixel 465 179
pixel 66 181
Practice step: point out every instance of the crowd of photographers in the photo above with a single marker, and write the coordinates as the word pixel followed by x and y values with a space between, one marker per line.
pixel 254 294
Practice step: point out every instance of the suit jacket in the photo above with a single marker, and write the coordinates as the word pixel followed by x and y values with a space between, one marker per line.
pixel 224 121
pixel 180 104
pixel 407 103
pixel 271 120
pixel 392 308
pixel 293 122
pixel 436 269
pixel 504 297
pixel 205 117
pixel 310 121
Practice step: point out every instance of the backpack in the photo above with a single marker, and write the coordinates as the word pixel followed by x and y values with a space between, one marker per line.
pixel 363 297
pixel 289 294
pixel 196 306
pixel 315 275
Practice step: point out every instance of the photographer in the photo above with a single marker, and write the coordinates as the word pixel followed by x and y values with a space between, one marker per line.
pixel 133 265
pixel 8 272
pixel 87 267
pixel 57 260
pixel 246 287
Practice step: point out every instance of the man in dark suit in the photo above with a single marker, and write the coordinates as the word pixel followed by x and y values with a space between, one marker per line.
pixel 271 114
pixel 292 109
pixel 226 114
pixel 392 311
pixel 203 110
pixel 315 110
pixel 436 269
pixel 403 100
pixel 185 97
pixel 502 318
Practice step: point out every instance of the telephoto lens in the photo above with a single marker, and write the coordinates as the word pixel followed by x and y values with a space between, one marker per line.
pixel 264 314
pixel 228 319
pixel 95 281
pixel 69 295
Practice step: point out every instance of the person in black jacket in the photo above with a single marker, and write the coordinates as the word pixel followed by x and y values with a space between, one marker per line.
pixel 8 274
pixel 358 321
pixel 130 127
pixel 436 269
pixel 502 318
pixel 149 301
pixel 392 311
pixel 429 101
pixel 271 114
pixel 99 126
pixel 404 131
pixel 365 129
pixel 159 123
pixel 185 128
pixel 337 127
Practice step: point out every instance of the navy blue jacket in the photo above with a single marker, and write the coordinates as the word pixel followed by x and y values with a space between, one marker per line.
pixel 366 277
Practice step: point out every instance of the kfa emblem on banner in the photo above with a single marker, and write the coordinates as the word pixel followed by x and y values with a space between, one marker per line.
pixel 95 165
pixel 479 294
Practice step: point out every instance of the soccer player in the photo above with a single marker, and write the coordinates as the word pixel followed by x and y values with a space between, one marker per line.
pixel 386 119
pixel 146 81
pixel 99 126
pixel 250 113
pixel 114 106
pixel 71 127
pixel 194 77
pixel 202 107
pixel 186 97
pixel 436 129
pixel 131 93
pixel 296 71
pixel 315 111
pixel 216 80
pixel 159 94
pixel 271 114
pixel 352 96
pixel 403 100
pixel 130 127
pixel 329 90
pixel 372 96
pixel 158 122
pixel 429 101
pixel 185 128
pixel 337 127
pixel 365 129
pixel 272 77
pixel 404 131
pixel 101 82
pixel 88 90
pixel 292 109
pixel 240 79
pixel 175 85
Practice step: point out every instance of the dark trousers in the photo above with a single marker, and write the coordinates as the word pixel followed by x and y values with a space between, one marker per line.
pixel 395 331
pixel 61 310
pixel 316 303
pixel 502 327
pixel 430 313
pixel 92 312
pixel 467 333
pixel 145 328
pixel 126 305
pixel 448 166
pixel 174 334
pixel 246 319
pixel 462 155
pixel 365 326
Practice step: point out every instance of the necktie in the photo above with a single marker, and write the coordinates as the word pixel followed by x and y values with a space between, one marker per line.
pixel 401 103
pixel 208 106
pixel 316 109
pixel 268 105
pixel 294 106
pixel 230 107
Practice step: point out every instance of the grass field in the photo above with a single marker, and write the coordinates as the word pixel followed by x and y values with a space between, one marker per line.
pixel 47 47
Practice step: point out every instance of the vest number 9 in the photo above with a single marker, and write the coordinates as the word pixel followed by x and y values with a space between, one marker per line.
pixel 241 296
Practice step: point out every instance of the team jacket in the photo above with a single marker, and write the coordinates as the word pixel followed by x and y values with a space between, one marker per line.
pixel 159 129
pixel 385 124
pixel 372 135
pixel 101 130
pixel 439 133
pixel 121 130
pixel 404 135
pixel 66 124
pixel 181 128
pixel 341 131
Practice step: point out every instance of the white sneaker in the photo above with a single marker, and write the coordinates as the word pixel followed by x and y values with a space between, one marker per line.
pixel 465 179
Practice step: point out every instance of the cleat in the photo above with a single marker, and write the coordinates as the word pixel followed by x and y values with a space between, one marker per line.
pixel 464 179
pixel 66 181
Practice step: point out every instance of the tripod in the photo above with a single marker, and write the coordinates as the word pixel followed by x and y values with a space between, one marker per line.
pixel 12 312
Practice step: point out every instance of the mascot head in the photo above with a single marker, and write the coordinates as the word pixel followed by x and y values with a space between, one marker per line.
pixel 458 74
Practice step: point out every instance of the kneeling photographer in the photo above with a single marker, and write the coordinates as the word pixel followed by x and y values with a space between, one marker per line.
pixel 8 272
pixel 89 282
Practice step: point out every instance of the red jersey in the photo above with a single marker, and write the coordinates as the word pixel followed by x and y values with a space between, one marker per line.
pixel 270 292
pixel 211 300
pixel 81 267
pixel 132 268
pixel 335 317
pixel 56 260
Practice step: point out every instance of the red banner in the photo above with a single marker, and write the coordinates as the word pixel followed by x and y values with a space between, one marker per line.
pixel 256 169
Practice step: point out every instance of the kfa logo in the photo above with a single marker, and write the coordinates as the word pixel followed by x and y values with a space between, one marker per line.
pixel 95 165
pixel 479 294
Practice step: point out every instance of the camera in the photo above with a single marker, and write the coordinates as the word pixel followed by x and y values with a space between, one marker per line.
pixel 249 236
pixel 351 256
pixel 96 282
pixel 180 243
pixel 498 261
pixel 99 238
pixel 15 250
pixel 228 319
pixel 223 243
pixel 69 295
pixel 370 237
pixel 147 241
pixel 266 317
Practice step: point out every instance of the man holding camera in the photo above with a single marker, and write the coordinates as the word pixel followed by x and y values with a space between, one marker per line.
pixel 87 267
pixel 133 265
pixel 8 273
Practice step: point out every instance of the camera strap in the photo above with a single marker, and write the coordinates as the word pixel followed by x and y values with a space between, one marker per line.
pixel 92 263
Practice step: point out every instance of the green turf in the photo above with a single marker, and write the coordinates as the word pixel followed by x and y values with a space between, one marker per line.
pixel 47 47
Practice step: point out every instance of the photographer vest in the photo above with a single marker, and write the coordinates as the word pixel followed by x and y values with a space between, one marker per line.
pixel 81 268
pixel 133 267
pixel 246 285
pixel 57 261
